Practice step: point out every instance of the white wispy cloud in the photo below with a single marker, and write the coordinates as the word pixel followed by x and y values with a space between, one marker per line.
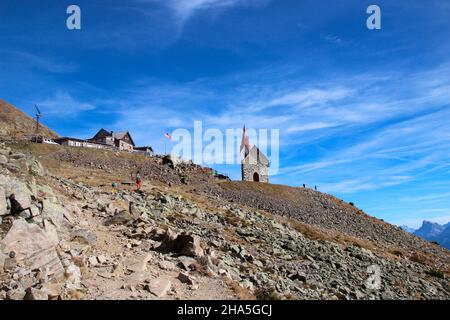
pixel 185 9
pixel 310 97
pixel 62 104
pixel 310 126
pixel 24 59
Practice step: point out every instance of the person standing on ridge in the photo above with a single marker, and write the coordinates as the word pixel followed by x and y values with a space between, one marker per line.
pixel 138 181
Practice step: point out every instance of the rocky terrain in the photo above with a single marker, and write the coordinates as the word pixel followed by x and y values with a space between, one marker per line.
pixel 16 124
pixel 187 236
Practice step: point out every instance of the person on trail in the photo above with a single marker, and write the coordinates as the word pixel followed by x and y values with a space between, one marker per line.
pixel 138 181
pixel 114 188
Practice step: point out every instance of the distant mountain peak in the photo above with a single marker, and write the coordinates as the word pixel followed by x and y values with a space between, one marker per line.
pixel 433 231
pixel 408 229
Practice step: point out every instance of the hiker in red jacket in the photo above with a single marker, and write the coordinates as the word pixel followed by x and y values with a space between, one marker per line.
pixel 138 181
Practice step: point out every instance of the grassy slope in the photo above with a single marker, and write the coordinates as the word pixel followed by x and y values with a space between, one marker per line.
pixel 17 124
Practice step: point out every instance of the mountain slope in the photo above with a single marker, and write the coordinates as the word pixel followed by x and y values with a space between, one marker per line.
pixel 183 236
pixel 329 213
pixel 17 124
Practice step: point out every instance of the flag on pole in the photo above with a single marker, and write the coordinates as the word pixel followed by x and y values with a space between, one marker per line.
pixel 168 136
pixel 245 144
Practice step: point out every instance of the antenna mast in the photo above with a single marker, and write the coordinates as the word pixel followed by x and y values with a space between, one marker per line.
pixel 38 116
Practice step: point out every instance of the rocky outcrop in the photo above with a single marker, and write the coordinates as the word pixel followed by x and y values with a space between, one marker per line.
pixel 32 249
pixel 183 244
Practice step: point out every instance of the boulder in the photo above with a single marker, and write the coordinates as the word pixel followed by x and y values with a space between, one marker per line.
pixel 53 290
pixel 54 212
pixel 3 208
pixel 102 259
pixel 120 218
pixel 167 265
pixel 168 241
pixel 35 168
pixel 185 277
pixel 3 258
pixel 73 277
pixel 84 236
pixel 69 216
pixel 93 261
pixel 139 264
pixel 185 244
pixel 16 294
pixel 3 159
pixel 189 245
pixel 17 156
pixel 35 294
pixel 159 287
pixel 51 231
pixel 33 248
pixel 186 262
pixel 19 189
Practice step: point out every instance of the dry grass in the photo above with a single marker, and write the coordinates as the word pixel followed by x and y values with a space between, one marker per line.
pixel 418 258
pixel 267 294
pixel 315 233
pixel 241 293
pixel 436 273
pixel 308 231
pixel 15 123
pixel 396 252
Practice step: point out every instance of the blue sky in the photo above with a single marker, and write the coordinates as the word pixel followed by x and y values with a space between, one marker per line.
pixel 362 114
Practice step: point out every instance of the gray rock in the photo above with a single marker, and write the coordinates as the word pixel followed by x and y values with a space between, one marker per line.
pixel 73 277
pixel 55 213
pixel 120 218
pixel 3 209
pixel 167 265
pixel 33 248
pixel 3 159
pixel 17 156
pixel 138 264
pixel 184 244
pixel 16 294
pixel 36 168
pixel 19 189
pixel 159 287
pixel 51 231
pixel 185 277
pixel 3 258
pixel 84 236
pixel 35 294
pixel 186 262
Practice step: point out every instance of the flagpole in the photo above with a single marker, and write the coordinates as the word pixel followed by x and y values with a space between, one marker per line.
pixel 168 136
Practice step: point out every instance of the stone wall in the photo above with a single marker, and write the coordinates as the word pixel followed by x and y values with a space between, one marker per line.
pixel 249 169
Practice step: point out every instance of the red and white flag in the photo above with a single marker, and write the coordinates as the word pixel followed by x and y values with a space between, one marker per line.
pixel 167 135
pixel 245 144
